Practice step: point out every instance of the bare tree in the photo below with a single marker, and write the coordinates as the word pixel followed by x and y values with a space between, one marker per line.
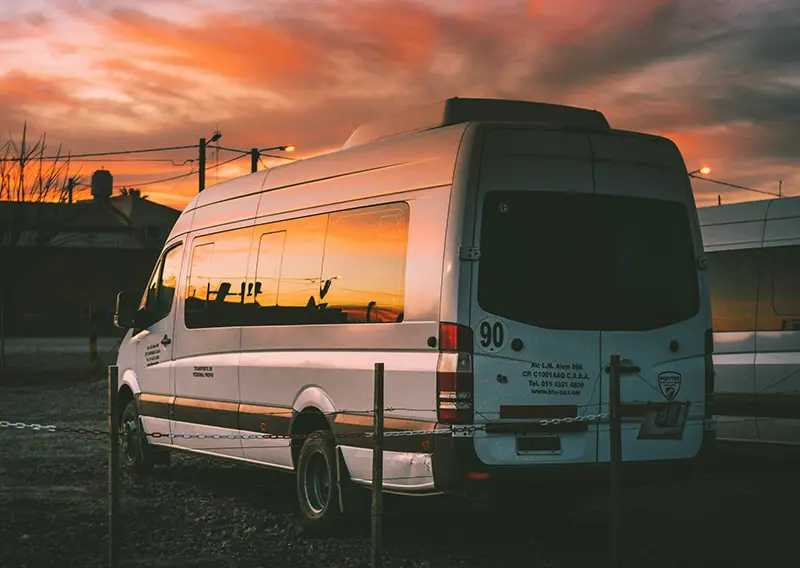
pixel 32 185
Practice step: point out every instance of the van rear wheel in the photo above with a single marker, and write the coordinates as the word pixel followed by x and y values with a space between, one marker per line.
pixel 318 484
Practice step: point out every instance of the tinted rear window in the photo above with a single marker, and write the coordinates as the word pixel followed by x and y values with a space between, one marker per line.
pixel 586 261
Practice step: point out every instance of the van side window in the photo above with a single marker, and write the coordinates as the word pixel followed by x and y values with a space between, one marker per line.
pixel 286 290
pixel 199 271
pixel 363 274
pixel 733 280
pixel 786 280
pixel 161 290
pixel 217 274
pixel 263 293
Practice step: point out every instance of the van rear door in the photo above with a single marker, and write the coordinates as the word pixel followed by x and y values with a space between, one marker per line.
pixel 588 248
pixel 653 289
pixel 532 358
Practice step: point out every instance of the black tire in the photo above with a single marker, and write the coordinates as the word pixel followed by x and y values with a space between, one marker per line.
pixel 317 488
pixel 136 453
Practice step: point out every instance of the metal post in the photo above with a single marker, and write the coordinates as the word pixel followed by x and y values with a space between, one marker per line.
pixel 202 164
pixel 113 467
pixel 616 456
pixel 377 471
pixel 254 160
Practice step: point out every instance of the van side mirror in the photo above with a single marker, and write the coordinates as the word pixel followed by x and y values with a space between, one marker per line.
pixel 125 315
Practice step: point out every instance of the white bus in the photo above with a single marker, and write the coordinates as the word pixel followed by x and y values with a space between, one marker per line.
pixel 753 252
pixel 492 254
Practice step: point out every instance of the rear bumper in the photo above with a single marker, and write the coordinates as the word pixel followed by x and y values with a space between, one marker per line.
pixel 454 459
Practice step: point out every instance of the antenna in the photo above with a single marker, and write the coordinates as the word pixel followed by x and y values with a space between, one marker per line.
pixel 217 134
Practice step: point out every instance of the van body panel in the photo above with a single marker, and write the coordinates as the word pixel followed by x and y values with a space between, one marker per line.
pixel 755 325
pixel 530 377
pixel 652 168
pixel 432 155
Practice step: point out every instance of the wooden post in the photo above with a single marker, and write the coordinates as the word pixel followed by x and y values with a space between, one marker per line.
pixel 377 470
pixel 616 457
pixel 113 467
pixel 201 171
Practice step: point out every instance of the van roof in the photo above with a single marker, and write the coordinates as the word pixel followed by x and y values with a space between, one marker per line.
pixel 456 110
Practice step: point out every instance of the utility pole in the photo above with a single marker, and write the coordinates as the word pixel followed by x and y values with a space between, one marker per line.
pixel 202 170
pixel 253 160
pixel 780 187
pixel 70 188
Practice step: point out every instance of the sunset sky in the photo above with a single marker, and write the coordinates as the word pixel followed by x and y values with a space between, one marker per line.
pixel 721 78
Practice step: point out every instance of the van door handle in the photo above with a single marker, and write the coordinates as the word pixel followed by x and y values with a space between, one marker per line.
pixel 166 340
pixel 624 368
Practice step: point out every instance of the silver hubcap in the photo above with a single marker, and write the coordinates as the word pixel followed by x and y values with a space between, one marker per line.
pixel 130 442
pixel 317 483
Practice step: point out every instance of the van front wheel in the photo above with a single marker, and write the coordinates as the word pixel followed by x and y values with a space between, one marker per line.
pixel 137 454
pixel 317 487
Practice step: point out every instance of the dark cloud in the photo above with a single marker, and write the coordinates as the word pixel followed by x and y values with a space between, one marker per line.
pixel 338 64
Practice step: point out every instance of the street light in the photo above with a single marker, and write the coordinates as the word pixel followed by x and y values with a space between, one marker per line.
pixel 705 170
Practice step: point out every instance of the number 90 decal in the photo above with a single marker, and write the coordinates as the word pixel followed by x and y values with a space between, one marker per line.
pixel 492 335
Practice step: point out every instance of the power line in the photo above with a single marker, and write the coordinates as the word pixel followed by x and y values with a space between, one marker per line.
pixel 140 160
pixel 279 157
pixel 173 178
pixel 736 186
pixel 97 154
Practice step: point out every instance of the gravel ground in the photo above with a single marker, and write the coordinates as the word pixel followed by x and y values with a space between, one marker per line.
pixel 207 512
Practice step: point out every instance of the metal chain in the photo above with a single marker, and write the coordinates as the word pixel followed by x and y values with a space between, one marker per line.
pixel 586 418
pixel 452 430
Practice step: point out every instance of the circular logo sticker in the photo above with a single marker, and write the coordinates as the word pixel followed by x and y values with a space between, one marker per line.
pixel 492 335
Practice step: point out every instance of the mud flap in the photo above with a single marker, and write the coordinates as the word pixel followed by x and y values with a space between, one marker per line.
pixel 339 460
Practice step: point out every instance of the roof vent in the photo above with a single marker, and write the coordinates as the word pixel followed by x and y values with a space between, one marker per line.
pixel 456 110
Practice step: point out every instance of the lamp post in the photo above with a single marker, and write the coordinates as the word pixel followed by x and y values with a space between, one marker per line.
pixel 255 154
pixel 202 171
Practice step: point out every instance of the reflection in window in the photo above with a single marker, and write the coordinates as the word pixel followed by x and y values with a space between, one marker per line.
pixel 786 280
pixel 298 290
pixel 733 280
pixel 217 280
pixel 169 280
pixel 199 274
pixel 262 295
pixel 363 275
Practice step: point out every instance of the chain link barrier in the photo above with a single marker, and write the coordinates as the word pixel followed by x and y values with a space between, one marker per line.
pixel 451 430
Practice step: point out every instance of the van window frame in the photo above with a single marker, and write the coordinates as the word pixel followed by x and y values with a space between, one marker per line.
pixel 159 272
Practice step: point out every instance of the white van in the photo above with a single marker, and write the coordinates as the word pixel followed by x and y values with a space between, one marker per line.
pixel 492 254
pixel 753 252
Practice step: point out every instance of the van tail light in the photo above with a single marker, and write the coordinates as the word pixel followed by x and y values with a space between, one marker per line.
pixel 455 384
pixel 709 357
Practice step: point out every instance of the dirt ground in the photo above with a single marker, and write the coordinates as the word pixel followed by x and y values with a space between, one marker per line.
pixel 207 512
